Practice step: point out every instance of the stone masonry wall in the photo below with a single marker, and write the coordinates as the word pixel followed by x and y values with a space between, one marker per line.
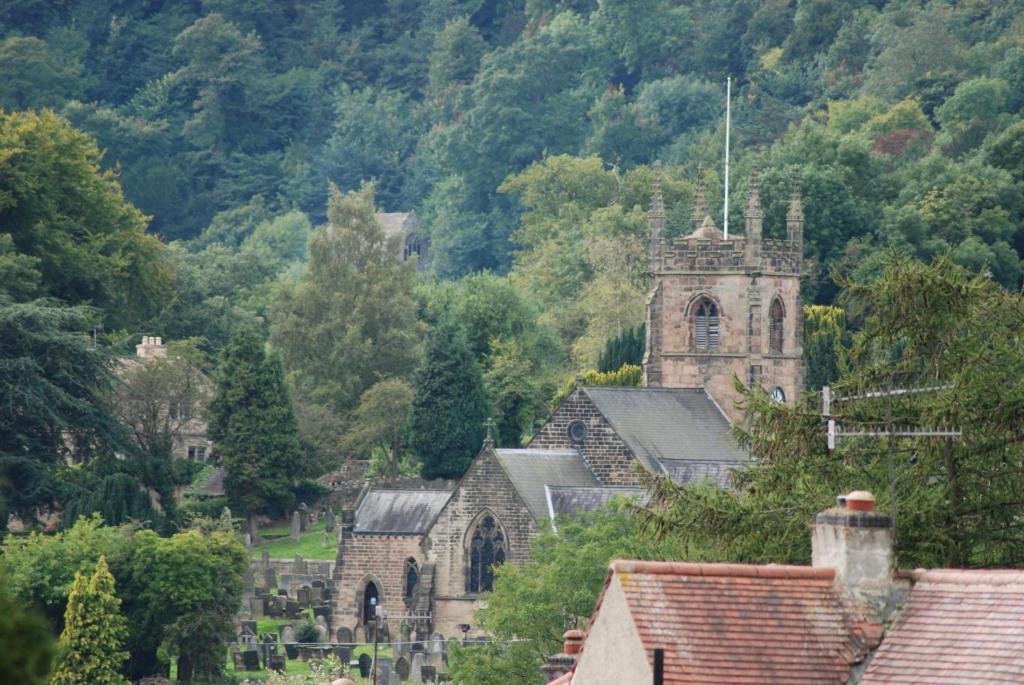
pixel 603 450
pixel 485 487
pixel 377 557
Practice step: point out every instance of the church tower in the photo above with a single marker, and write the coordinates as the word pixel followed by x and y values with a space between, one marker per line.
pixel 723 307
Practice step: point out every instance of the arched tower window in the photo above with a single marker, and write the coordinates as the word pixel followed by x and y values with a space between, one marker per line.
pixel 705 326
pixel 412 247
pixel 412 574
pixel 775 316
pixel 487 549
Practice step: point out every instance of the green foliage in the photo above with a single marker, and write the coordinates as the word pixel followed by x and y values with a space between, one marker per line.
pixel 825 344
pixel 378 423
pixel 446 418
pixel 92 643
pixel 625 375
pixel 354 300
pixel 955 502
pixel 182 593
pixel 516 396
pixel 306 633
pixel 89 242
pixel 253 428
pixel 625 348
pixel 28 645
pixel 554 591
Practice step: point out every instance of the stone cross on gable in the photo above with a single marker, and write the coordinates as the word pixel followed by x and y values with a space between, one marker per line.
pixel 489 439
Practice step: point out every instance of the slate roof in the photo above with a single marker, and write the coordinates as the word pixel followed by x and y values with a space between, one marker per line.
pixel 399 512
pixel 531 469
pixel 736 623
pixel 695 471
pixel 397 223
pixel 956 627
pixel 566 500
pixel 663 423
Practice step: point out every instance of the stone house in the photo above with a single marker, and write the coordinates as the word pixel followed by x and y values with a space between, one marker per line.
pixel 719 307
pixel 847 618
pixel 404 227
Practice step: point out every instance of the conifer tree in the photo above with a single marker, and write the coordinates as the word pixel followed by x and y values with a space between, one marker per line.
pixel 94 632
pixel 254 429
pixel 449 408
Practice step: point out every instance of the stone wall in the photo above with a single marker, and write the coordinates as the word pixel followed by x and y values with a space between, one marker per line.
pixel 380 558
pixel 603 450
pixel 484 488
pixel 449 614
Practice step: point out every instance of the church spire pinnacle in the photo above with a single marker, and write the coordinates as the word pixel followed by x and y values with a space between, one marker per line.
pixel 753 196
pixel 795 213
pixel 700 202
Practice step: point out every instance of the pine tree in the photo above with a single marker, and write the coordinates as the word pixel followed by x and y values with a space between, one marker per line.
pixel 449 408
pixel 254 429
pixel 94 633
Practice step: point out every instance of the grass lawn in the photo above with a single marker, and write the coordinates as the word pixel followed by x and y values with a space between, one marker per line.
pixel 277 540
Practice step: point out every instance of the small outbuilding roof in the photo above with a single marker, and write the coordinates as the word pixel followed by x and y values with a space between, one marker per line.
pixel 531 469
pixel 668 424
pixel 566 500
pixel 399 512
pixel 697 470
pixel 956 627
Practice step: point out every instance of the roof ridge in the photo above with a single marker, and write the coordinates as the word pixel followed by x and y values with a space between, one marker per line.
pixel 685 568
pixel 963 576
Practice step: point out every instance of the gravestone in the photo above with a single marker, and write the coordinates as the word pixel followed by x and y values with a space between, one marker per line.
pixel 364 665
pixel 344 635
pixel 296 531
pixel 343 652
pixel 251 660
pixel 320 620
pixel 287 635
pixel 292 650
pixel 305 596
pixel 270 577
pixel 329 521
pixel 304 517
pixel 277 663
pixel 384 668
pixel 281 592
pixel 248 541
pixel 236 659
pixel 257 606
pixel 274 607
pixel 265 558
pixel 248 627
pixel 261 592
pixel 322 634
pixel 299 565
pixel 429 674
pixel 318 584
pixel 325 540
pixel 402 668
pixel 419 660
pixel 291 608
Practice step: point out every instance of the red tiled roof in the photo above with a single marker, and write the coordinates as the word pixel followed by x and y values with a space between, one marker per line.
pixel 956 627
pixel 737 623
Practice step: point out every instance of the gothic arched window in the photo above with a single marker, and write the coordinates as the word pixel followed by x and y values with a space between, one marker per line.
pixel 487 549
pixel 775 315
pixel 705 326
pixel 412 247
pixel 371 599
pixel 412 574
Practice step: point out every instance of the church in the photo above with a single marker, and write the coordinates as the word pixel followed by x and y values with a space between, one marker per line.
pixel 719 308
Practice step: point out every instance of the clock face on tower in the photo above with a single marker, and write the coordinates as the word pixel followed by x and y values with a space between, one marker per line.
pixel 778 395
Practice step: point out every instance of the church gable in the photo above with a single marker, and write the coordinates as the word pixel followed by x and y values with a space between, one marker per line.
pixel 485 502
pixel 602 449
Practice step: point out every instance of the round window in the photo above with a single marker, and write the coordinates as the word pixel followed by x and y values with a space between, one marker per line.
pixel 577 432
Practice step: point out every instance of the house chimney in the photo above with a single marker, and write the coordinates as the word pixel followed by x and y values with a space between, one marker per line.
pixel 151 347
pixel 560 664
pixel 856 541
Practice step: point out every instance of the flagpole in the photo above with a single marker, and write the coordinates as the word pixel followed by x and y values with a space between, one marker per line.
pixel 728 112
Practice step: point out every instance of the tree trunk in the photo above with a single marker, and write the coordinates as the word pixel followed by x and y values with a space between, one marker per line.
pixel 254 529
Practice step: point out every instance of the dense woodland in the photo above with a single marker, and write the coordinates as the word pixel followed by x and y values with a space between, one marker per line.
pixel 208 172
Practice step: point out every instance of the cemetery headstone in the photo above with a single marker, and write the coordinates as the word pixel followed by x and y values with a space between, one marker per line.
pixel 364 665
pixel 419 660
pixel 270 577
pixel 265 558
pixel 429 674
pixel 256 607
pixel 292 650
pixel 325 540
pixel 281 592
pixel 318 583
pixel 248 541
pixel 305 596
pixel 248 627
pixel 320 620
pixel 329 521
pixel 384 668
pixel 277 662
pixel 343 652
pixel 296 530
pixel 251 660
pixel 291 608
pixel 402 668
pixel 344 635
pixel 299 565
pixel 287 635
pixel 322 634
pixel 304 517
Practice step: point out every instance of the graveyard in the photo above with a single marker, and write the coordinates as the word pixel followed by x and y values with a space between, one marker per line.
pixel 276 539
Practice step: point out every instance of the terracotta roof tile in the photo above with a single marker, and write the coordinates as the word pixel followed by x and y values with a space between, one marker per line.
pixel 734 623
pixel 956 627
